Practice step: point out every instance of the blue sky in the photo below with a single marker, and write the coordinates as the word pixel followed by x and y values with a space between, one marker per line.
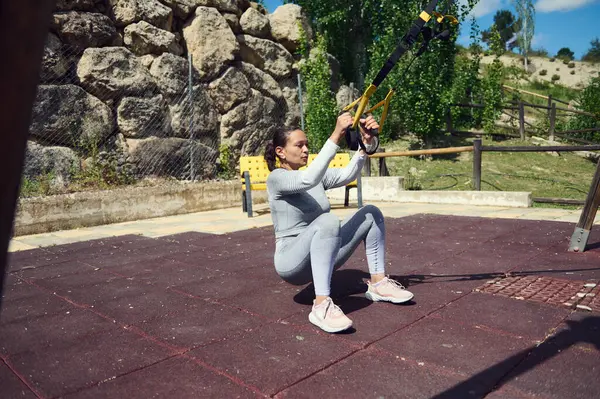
pixel 558 23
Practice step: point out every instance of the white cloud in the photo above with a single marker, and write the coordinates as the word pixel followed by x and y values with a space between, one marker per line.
pixel 485 7
pixel 560 5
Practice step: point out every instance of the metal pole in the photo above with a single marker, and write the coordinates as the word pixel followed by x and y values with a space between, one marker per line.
pixel 300 98
pixel 581 234
pixel 191 101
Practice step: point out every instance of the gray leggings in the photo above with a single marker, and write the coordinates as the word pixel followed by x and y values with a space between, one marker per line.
pixel 326 245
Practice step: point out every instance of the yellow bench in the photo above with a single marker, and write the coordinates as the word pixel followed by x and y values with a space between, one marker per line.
pixel 254 173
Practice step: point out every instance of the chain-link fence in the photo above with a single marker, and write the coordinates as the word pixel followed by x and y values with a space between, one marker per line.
pixel 143 103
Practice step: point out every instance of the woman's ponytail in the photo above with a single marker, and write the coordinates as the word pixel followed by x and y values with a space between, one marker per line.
pixel 270 155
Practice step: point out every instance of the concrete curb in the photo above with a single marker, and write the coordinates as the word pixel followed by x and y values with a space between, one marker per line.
pixel 86 209
pixel 482 198
pixel 390 189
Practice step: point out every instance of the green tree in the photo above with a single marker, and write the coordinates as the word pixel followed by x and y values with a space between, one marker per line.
pixel 321 106
pixel 565 53
pixel 363 34
pixel 348 31
pixel 507 25
pixel 593 54
pixel 492 85
pixel 466 87
pixel 526 13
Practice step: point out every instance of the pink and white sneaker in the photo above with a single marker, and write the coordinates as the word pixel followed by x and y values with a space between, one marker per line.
pixel 388 290
pixel 329 317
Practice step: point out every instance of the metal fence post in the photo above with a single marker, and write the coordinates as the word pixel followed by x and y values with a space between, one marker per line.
pixel 300 99
pixel 191 101
pixel 477 164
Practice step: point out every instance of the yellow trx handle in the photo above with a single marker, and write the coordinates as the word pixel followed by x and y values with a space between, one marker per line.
pixel 386 105
pixel 362 104
pixel 440 18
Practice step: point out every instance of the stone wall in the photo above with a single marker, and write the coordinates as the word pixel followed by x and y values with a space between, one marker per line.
pixel 115 79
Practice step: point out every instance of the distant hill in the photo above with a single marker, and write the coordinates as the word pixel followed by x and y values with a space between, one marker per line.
pixel 583 71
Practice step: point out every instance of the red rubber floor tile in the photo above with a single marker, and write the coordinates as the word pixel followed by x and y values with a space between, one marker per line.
pixel 23 301
pixel 56 270
pixel 58 370
pixel 200 323
pixel 558 371
pixel 374 374
pixel 12 386
pixel 31 259
pixel 53 330
pixel 274 356
pixel 521 318
pixel 173 378
pixel 458 347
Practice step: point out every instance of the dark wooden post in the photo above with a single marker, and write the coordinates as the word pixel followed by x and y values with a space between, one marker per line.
pixel 586 220
pixel 383 170
pixel 368 166
pixel 23 28
pixel 552 121
pixel 522 120
pixel 549 104
pixel 477 164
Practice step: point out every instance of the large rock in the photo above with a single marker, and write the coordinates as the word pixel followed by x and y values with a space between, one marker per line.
pixel 54 63
pixel 114 72
pixel 285 26
pixel 263 82
pixel 130 11
pixel 264 54
pixel 346 95
pixel 173 157
pixel 224 6
pixel 211 42
pixel 143 38
pixel 247 127
pixel 59 163
pixel 289 88
pixel 75 5
pixel 143 117
pixel 229 90
pixel 80 30
pixel 68 116
pixel 171 74
pixel 233 21
pixel 183 8
pixel 199 120
pixel 254 23
pixel 147 60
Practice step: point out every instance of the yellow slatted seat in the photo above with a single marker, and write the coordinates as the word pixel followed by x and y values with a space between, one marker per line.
pixel 255 169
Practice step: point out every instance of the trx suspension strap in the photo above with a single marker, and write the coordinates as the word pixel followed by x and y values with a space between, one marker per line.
pixel 418 27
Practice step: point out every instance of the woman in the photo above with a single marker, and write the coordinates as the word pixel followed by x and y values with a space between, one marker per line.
pixel 310 241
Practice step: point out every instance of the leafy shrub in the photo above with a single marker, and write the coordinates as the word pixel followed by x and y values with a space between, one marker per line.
pixel 589 100
pixel 552 59
pixel 572 72
pixel 543 72
pixel 555 77
pixel 571 65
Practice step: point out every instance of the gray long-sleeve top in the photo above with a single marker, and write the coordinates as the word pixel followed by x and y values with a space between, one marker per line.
pixel 297 197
